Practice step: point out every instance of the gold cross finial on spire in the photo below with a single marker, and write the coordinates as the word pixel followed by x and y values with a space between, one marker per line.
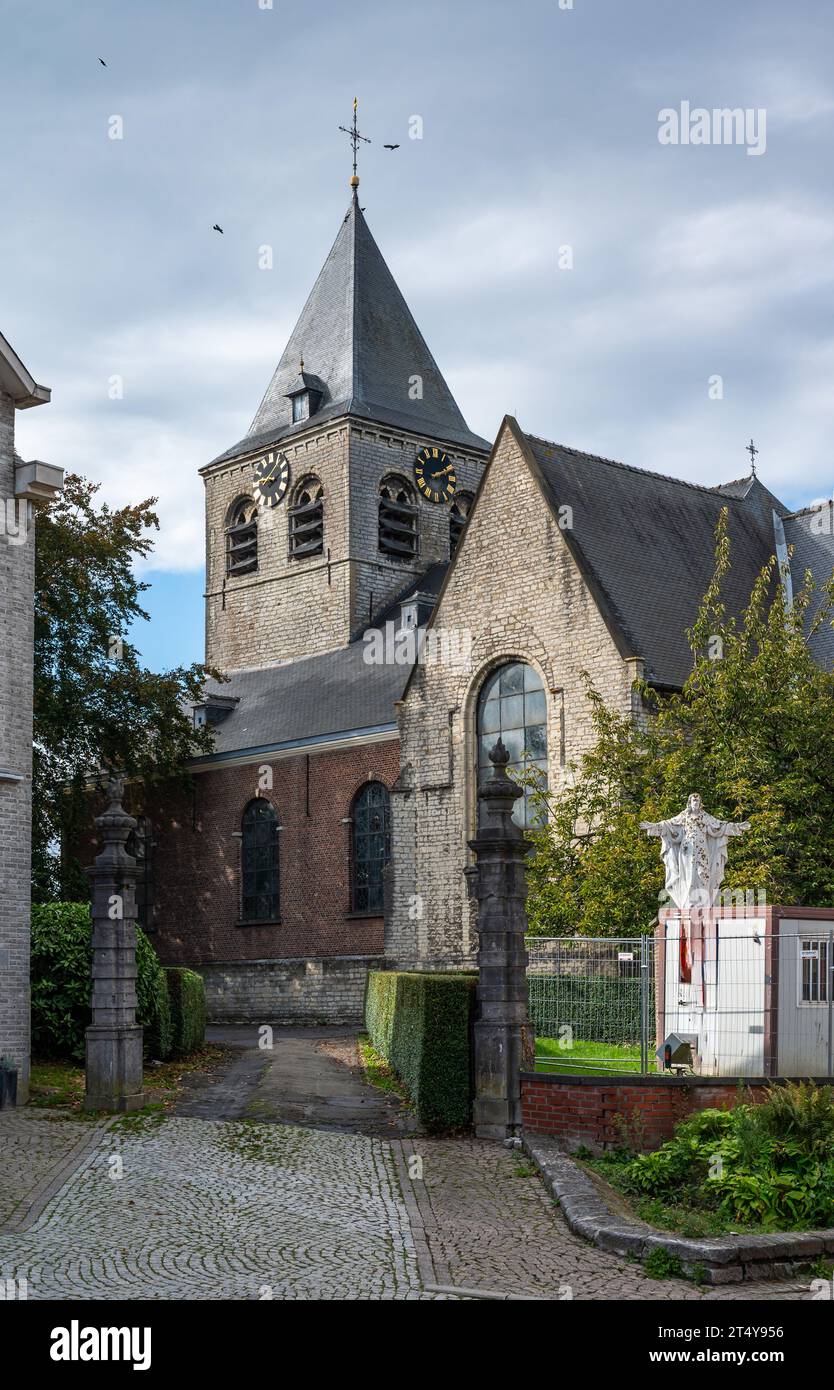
pixel 355 137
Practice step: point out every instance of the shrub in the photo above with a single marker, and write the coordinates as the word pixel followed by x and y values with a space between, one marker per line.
pixel 770 1164
pixel 60 974
pixel 188 1010
pixel 421 1023
pixel 159 1033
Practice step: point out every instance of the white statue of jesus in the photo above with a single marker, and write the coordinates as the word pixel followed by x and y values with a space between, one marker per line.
pixel 694 853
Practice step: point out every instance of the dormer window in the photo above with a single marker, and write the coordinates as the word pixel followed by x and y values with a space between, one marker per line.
pixel 242 537
pixel 415 611
pixel 304 395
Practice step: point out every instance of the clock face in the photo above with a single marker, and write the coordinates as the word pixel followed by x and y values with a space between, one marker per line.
pixel 272 478
pixel 435 474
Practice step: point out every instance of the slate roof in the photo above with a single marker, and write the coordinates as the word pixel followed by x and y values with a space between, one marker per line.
pixel 645 544
pixel 331 695
pixel 810 533
pixel 357 335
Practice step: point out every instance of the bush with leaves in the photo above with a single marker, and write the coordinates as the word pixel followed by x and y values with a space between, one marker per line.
pixel 770 1164
pixel 60 974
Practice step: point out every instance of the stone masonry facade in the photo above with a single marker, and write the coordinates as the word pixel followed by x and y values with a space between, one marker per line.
pixel 17 562
pixel 328 990
pixel 291 608
pixel 524 599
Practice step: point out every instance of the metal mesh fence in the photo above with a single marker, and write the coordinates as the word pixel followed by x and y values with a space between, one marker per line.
pixel 715 998
pixel 588 999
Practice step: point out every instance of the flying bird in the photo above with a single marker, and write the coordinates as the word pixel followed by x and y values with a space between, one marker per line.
pixel 390 147
pixel 218 228
pixel 103 64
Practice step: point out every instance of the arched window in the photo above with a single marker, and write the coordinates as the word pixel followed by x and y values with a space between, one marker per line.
pixel 307 520
pixel 512 707
pixel 140 845
pixel 460 509
pixel 242 537
pixel 371 846
pixel 397 519
pixel 259 862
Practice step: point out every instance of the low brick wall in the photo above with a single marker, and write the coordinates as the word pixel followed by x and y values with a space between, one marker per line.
pixel 327 989
pixel 598 1112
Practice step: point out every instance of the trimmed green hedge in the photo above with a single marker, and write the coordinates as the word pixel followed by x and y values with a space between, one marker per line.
pixel 159 1032
pixel 187 995
pixel 599 1008
pixel 60 973
pixel 421 1025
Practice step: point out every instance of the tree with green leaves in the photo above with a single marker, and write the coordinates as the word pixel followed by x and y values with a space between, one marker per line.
pixel 752 730
pixel 95 705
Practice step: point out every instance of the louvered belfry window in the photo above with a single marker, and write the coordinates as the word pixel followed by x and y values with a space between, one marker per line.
pixel 397 519
pixel 307 521
pixel 457 518
pixel 242 537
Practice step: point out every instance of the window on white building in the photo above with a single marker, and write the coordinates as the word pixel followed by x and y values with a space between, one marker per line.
pixel 814 968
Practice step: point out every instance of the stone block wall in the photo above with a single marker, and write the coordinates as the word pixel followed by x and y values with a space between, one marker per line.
pixel 17 569
pixel 288 991
pixel 517 592
pixel 294 608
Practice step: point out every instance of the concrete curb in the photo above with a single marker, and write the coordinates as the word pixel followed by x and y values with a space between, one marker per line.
pixel 722 1259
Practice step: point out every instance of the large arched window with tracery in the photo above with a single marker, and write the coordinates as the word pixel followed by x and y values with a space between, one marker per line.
pixel 512 706
pixel 259 862
pixel 371 846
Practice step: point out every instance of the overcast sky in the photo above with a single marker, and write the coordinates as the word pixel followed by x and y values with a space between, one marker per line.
pixel 540 132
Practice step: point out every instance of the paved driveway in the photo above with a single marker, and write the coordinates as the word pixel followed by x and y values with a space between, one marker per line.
pixel 210 1208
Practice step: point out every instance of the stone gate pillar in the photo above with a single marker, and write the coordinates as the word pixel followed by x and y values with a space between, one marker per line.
pixel 501 851
pixel 114 1038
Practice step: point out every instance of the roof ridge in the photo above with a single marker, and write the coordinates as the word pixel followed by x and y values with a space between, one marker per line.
pixel 631 467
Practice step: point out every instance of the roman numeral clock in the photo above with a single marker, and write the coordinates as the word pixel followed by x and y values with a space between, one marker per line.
pixel 434 473
pixel 272 478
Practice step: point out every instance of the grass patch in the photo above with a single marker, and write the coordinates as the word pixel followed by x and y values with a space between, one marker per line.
pixel 583 1057
pixel 60 1085
pixel 377 1071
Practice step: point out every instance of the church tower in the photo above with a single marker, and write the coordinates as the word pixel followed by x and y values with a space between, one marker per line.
pixel 324 513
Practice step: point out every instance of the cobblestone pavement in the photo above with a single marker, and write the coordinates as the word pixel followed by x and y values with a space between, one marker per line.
pixel 35 1148
pixel 201 1209
pixel 211 1210
pixel 489 1224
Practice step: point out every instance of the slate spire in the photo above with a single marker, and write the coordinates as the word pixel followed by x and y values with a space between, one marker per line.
pixel 359 340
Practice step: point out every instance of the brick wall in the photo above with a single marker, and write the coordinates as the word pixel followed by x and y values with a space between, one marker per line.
pixel 16 636
pixel 599 1112
pixel 516 589
pixel 196 859
pixel 331 990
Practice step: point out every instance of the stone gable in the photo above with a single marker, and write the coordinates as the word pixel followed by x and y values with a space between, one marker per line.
pixel 516 589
